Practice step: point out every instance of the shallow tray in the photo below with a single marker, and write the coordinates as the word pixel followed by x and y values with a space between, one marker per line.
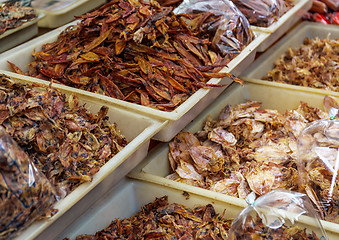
pixel 63 12
pixel 15 36
pixel 129 197
pixel 280 27
pixel 156 166
pixel 265 63
pixel 177 119
pixel 138 135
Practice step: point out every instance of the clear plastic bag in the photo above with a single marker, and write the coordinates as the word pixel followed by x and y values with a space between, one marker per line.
pixel 25 193
pixel 226 27
pixel 318 163
pixel 262 13
pixel 279 214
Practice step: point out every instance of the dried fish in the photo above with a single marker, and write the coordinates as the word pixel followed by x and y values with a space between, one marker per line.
pixel 13 15
pixel 246 149
pixel 66 142
pixel 135 51
pixel 165 221
pixel 314 64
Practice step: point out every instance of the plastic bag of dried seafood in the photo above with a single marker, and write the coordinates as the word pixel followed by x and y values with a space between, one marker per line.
pixel 26 195
pixel 263 13
pixel 318 163
pixel 279 214
pixel 225 25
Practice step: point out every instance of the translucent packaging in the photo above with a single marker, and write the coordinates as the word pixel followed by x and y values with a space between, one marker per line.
pixel 275 215
pixel 25 193
pixel 318 163
pixel 262 13
pixel 227 27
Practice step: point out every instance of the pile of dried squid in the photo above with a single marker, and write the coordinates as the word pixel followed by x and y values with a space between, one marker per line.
pixel 246 149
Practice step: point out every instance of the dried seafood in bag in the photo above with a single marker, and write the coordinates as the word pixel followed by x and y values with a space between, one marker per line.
pixel 164 221
pixel 218 20
pixel 26 194
pixel 318 163
pixel 275 215
pixel 246 149
pixel 263 13
pixel 314 64
pixel 131 50
pixel 14 15
pixel 67 143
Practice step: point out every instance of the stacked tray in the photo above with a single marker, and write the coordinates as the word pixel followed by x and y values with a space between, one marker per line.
pixel 293 39
pixel 116 168
pixel 13 37
pixel 177 119
pixel 156 166
pixel 129 197
pixel 61 12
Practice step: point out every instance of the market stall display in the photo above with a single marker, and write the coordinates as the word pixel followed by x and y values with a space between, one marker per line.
pixel 91 154
pixel 17 24
pixel 183 113
pixel 261 177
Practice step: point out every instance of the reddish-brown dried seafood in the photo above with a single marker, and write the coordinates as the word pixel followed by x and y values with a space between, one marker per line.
pixel 14 15
pixel 134 51
pixel 66 142
pixel 164 221
pixel 314 64
pixel 263 13
pixel 246 149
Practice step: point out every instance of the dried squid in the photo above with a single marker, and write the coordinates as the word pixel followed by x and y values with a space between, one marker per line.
pixel 314 64
pixel 246 149
pixel 67 143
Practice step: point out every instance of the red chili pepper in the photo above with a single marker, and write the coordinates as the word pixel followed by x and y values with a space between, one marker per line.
pixel 335 18
pixel 321 18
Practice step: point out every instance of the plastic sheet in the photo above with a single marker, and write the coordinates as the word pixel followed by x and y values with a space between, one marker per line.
pixel 275 216
pixel 318 163
pixel 262 13
pixel 227 27
pixel 25 193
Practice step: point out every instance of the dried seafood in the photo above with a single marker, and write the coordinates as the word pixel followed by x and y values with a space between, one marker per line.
pixel 25 193
pixel 245 149
pixel 14 15
pixel 263 13
pixel 67 142
pixel 164 221
pixel 319 162
pixel 314 64
pixel 134 51
pixel 259 231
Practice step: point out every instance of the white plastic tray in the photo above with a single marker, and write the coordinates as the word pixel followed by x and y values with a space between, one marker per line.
pixel 138 135
pixel 156 166
pixel 265 63
pixel 58 16
pixel 129 197
pixel 18 35
pixel 177 119
pixel 280 27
